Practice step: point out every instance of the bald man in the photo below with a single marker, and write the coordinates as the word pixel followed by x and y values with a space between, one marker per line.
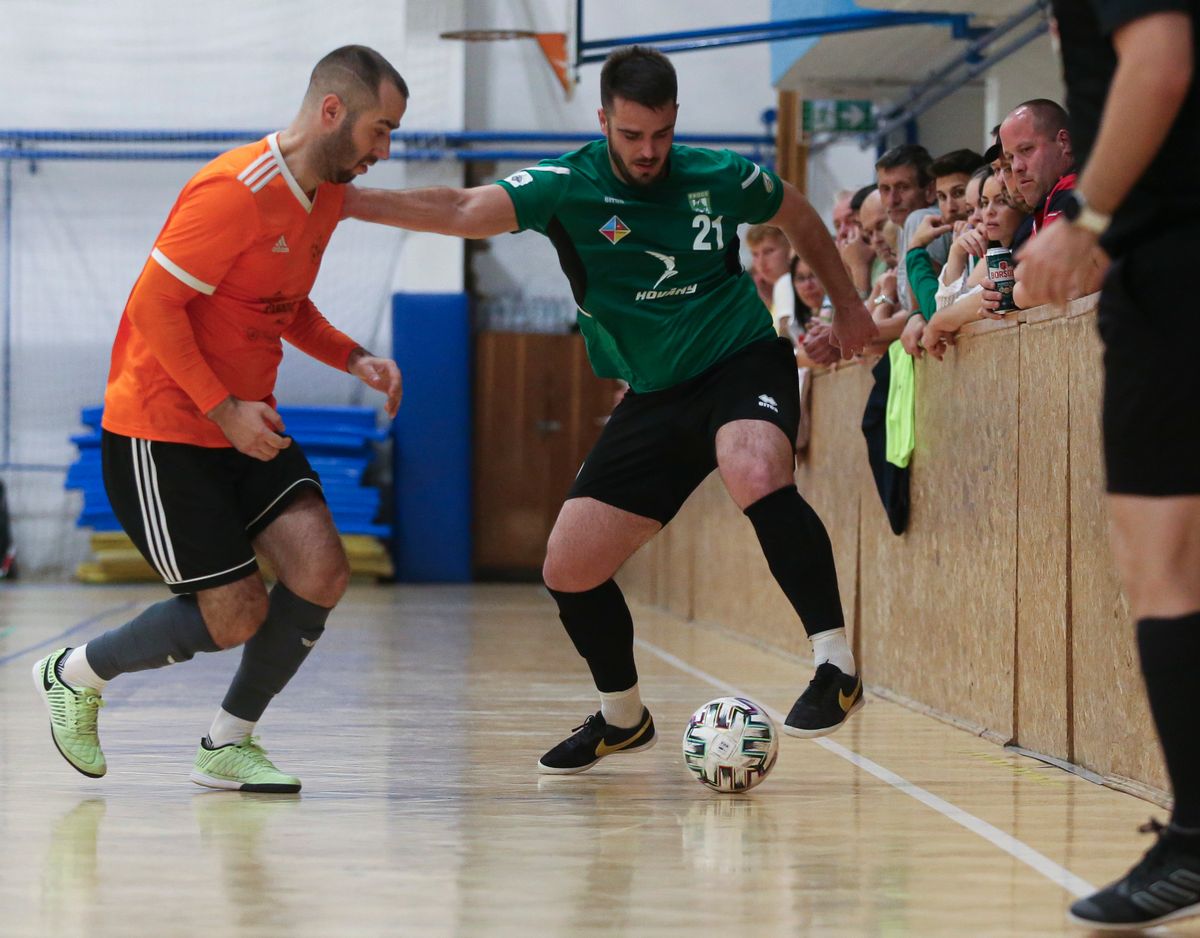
pixel 196 463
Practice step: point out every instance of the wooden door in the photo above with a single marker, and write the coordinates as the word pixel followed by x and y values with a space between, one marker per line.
pixel 538 410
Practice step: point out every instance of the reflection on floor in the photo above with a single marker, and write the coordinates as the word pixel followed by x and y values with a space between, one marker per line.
pixel 416 726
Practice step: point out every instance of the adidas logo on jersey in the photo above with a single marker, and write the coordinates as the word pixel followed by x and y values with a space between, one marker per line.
pixel 280 246
pixel 765 400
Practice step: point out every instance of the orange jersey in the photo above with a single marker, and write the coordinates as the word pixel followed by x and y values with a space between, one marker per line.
pixel 228 278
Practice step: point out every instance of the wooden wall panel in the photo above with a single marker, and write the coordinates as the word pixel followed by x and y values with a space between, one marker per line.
pixel 678 561
pixel 638 578
pixel 1000 606
pixel 1113 731
pixel 722 557
pixel 1043 653
pixel 939 603
pixel 833 471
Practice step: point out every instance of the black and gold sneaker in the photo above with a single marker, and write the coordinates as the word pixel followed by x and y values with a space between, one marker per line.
pixel 593 740
pixel 1162 887
pixel 826 704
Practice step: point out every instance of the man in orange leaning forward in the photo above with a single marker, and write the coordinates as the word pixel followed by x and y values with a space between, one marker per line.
pixel 196 465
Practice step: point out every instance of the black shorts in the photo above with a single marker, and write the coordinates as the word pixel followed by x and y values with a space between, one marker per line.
pixel 1151 331
pixel 658 446
pixel 193 510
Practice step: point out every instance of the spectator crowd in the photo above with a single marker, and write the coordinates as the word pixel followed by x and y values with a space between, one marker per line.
pixel 914 240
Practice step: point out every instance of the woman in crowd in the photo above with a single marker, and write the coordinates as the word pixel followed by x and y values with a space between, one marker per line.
pixel 968 247
pixel 1000 222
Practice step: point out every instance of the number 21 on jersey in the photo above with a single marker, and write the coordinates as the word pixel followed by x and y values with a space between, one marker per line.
pixel 706 226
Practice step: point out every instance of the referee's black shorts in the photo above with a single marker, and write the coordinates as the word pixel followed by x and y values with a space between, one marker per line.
pixel 193 510
pixel 1150 324
pixel 657 447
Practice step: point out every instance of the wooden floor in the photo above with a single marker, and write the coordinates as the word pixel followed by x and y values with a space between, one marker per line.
pixel 416 726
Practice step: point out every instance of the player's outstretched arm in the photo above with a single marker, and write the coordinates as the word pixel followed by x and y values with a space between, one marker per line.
pixel 480 212
pixel 852 326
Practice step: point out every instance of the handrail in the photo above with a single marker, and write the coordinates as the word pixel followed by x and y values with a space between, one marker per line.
pixel 907 109
pixel 459 145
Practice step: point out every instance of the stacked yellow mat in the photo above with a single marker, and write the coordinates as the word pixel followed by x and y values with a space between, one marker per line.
pixel 116 560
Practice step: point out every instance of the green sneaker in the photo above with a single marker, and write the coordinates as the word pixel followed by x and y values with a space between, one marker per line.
pixel 240 766
pixel 73 713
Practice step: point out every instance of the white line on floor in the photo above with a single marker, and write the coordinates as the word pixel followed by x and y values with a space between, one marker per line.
pixel 993 835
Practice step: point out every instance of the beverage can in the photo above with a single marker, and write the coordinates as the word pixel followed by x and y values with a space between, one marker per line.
pixel 1000 272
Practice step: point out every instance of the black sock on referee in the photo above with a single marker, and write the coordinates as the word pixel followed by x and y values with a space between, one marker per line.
pixel 800 555
pixel 601 626
pixel 1170 656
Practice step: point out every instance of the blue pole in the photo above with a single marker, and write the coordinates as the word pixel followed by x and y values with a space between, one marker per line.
pixel 431 438
pixel 6 449
pixel 809 25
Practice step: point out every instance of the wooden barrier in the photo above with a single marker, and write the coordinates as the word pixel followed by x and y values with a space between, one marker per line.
pixel 999 608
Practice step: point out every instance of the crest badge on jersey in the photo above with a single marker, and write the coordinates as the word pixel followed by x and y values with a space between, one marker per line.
pixel 614 229
pixel 700 202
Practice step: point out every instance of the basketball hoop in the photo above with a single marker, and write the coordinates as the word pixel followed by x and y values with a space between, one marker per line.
pixel 553 46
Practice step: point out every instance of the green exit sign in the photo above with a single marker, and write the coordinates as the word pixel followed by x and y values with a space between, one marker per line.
pixel 838 116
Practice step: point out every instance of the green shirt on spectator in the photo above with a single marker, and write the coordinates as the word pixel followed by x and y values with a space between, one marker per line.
pixel 923 282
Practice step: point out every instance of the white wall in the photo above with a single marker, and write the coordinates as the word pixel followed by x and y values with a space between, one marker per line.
pixel 512 87
pixel 1032 72
pixel 841 165
pixel 954 123
pixel 81 230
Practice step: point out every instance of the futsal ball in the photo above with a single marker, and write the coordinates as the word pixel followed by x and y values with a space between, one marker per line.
pixel 730 744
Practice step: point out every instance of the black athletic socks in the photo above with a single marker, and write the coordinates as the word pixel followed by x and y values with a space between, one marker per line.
pixel 1170 656
pixel 167 633
pixel 275 652
pixel 800 556
pixel 601 627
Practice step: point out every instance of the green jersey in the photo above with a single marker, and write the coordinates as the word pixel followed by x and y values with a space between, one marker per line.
pixel 655 270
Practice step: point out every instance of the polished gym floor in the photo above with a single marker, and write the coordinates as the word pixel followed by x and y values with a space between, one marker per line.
pixel 416 726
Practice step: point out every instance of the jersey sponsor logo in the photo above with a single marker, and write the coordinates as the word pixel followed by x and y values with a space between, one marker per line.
pixel 613 200
pixel 669 263
pixel 274 305
pixel 518 179
pixel 280 246
pixel 765 400
pixel 614 229
pixel 700 202
pixel 654 293
pixel 768 183
pixel 662 294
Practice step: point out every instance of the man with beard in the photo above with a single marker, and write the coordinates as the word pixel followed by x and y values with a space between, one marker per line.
pixel 646 232
pixel 196 465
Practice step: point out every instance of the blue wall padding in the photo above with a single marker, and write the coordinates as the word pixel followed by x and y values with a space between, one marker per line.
pixel 432 450
pixel 337 441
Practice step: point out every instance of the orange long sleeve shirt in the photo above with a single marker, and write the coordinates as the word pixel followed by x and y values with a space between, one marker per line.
pixel 227 280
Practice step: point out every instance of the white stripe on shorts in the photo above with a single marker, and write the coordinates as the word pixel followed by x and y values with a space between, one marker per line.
pixel 172 564
pixel 152 514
